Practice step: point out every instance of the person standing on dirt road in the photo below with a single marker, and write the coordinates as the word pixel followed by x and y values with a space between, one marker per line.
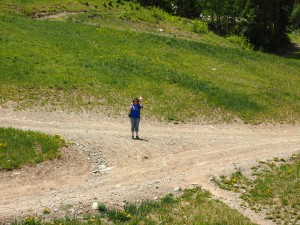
pixel 135 116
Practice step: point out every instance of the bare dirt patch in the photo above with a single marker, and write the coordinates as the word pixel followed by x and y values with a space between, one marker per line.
pixel 105 165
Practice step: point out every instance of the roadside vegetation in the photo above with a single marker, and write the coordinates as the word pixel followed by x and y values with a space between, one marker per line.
pixel 19 148
pixel 194 206
pixel 274 189
pixel 110 52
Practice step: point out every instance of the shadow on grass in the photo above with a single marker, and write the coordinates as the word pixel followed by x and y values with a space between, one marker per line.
pixel 231 100
pixel 291 52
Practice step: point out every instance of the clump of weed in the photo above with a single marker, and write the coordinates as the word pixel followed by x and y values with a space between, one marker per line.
pixel 199 27
pixel 102 208
pixel 46 211
pixel 236 182
pixel 241 41
pixel 118 215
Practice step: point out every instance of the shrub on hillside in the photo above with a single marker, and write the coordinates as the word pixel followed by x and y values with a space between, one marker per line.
pixel 199 27
pixel 243 42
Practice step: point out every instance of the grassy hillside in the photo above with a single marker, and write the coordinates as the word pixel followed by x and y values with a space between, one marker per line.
pixel 110 52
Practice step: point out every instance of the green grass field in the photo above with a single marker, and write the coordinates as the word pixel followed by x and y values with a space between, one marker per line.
pixel 99 60
pixel 19 148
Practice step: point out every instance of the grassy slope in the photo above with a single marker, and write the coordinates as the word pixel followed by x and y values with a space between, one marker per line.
pixel 19 147
pixel 101 59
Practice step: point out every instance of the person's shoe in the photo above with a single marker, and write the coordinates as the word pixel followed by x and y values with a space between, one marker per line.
pixel 132 137
pixel 137 137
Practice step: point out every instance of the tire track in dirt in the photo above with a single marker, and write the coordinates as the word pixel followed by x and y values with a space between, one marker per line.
pixel 169 156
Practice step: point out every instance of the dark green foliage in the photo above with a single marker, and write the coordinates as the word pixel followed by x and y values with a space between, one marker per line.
pixel 295 17
pixel 131 209
pixel 117 215
pixel 102 208
pixel 223 16
pixel 168 199
pixel 264 23
pixel 163 4
pixel 188 8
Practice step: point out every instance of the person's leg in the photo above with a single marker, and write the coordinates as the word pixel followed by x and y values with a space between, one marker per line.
pixel 132 122
pixel 134 125
pixel 137 126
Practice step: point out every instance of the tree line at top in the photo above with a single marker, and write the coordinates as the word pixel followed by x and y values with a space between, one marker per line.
pixel 263 22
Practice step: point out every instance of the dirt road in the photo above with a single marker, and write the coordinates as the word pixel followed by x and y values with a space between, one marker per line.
pixel 105 165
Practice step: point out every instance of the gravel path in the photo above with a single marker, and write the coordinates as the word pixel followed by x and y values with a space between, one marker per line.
pixel 105 165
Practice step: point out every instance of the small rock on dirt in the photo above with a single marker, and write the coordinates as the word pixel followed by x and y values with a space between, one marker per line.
pixel 95 205
pixel 177 189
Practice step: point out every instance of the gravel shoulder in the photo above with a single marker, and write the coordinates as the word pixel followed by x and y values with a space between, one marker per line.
pixel 103 163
